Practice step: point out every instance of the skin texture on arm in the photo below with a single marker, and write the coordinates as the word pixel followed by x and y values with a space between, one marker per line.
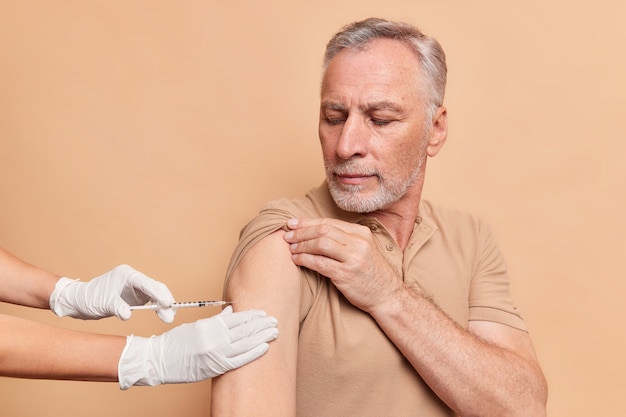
pixel 24 284
pixel 267 279
pixel 489 369
pixel 33 350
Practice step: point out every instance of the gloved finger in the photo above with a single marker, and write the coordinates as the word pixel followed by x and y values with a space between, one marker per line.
pixel 234 319
pixel 247 335
pixel 122 309
pixel 247 356
pixel 147 287
pixel 227 310
pixel 114 307
pixel 166 314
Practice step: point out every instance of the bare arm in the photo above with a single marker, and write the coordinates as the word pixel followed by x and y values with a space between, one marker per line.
pixel 489 369
pixel 32 350
pixel 265 279
pixel 24 284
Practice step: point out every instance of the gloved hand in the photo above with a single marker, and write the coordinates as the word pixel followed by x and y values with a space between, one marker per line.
pixel 110 294
pixel 197 351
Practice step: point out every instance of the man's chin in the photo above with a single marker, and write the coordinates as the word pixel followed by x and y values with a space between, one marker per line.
pixel 355 201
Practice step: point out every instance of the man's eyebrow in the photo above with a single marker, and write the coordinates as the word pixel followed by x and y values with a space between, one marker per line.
pixel 333 105
pixel 376 105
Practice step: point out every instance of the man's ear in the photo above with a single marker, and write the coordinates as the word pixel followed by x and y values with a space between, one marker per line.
pixel 438 132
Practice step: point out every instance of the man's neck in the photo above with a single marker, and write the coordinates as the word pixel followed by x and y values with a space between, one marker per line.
pixel 399 218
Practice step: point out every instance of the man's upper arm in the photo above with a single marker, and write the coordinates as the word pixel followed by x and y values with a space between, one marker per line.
pixel 266 279
pixel 507 337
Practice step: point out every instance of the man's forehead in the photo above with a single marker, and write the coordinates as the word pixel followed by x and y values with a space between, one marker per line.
pixel 378 52
pixel 375 76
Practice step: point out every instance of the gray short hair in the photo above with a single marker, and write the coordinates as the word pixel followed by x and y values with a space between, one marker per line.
pixel 430 54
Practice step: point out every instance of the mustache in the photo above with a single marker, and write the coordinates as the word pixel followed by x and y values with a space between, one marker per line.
pixel 352 167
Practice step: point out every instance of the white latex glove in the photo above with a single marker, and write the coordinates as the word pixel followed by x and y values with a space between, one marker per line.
pixel 110 294
pixel 197 351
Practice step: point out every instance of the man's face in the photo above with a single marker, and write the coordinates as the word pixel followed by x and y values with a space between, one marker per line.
pixel 373 128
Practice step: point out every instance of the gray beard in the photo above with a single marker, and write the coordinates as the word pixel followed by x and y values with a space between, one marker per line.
pixel 348 198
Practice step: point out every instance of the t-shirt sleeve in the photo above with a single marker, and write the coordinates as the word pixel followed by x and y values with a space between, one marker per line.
pixel 265 223
pixel 490 292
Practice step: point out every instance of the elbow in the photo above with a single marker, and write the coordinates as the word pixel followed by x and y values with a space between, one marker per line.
pixel 530 401
pixel 526 396
pixel 525 399
pixel 538 399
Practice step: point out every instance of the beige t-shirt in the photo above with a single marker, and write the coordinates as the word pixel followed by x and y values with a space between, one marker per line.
pixel 346 365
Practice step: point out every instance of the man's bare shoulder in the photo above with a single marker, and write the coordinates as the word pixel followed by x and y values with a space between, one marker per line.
pixel 266 270
pixel 265 278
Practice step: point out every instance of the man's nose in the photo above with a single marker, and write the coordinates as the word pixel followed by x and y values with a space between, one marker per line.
pixel 354 139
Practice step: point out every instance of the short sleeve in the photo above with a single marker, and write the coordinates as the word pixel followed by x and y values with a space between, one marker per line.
pixel 490 290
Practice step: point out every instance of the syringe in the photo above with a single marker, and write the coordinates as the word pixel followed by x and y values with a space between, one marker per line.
pixel 183 304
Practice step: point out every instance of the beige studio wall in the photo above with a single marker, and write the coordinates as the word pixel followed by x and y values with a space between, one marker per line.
pixel 148 132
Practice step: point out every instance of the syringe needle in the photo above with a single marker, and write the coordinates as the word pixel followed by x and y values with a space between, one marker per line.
pixel 184 304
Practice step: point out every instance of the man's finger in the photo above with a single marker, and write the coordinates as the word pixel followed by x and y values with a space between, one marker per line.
pixel 301 223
